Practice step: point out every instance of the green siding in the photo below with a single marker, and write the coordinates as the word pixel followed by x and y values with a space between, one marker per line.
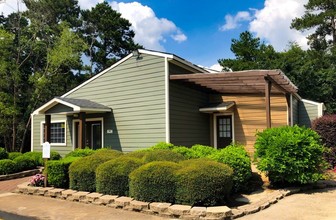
pixel 135 92
pixel 295 111
pixel 174 69
pixel 37 132
pixel 59 108
pixel 307 113
pixel 187 125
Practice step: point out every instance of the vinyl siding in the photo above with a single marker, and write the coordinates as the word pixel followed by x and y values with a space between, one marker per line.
pixel 307 113
pixel 37 128
pixel 250 115
pixel 295 111
pixel 134 90
pixel 187 125
pixel 59 108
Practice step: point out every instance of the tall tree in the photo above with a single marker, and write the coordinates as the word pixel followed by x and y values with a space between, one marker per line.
pixel 321 16
pixel 108 35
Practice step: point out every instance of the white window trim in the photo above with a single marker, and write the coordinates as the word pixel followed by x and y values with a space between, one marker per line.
pixel 215 126
pixel 65 133
pixel 87 119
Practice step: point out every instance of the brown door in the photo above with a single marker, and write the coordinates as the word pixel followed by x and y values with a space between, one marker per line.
pixel 224 131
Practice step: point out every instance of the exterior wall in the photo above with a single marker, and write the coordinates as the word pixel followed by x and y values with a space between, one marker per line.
pixel 59 108
pixel 309 111
pixel 295 106
pixel 188 126
pixel 134 90
pixel 250 115
pixel 37 132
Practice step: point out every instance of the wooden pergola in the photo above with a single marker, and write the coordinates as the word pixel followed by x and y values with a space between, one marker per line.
pixel 245 82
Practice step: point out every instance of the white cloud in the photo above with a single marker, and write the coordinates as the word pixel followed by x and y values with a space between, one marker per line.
pixel 9 6
pixel 216 67
pixel 150 31
pixel 88 4
pixel 232 22
pixel 272 23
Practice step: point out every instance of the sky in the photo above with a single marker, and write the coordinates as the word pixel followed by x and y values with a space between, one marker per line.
pixel 201 31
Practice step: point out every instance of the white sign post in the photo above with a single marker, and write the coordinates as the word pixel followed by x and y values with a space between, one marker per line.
pixel 45 156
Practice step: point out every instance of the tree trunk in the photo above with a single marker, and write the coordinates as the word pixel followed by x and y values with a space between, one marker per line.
pixel 23 143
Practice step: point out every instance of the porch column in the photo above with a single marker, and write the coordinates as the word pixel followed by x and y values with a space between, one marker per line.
pixel 268 86
pixel 81 132
pixel 47 134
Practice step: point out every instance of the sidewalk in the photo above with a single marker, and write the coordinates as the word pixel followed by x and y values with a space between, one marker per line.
pixel 10 185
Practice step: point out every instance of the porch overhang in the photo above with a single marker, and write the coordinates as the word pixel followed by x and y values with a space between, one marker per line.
pixel 218 107
pixel 71 106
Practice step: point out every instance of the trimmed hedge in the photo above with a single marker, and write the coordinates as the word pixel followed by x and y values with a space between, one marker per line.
pixel 185 151
pixel 36 156
pixel 162 146
pixel 7 166
pixel 112 176
pixel 237 158
pixel 163 155
pixel 82 171
pixel 140 154
pixel 13 155
pixel 80 153
pixel 201 151
pixel 54 155
pixel 154 182
pixel 203 182
pixel 58 172
pixel 24 162
pixel 290 154
pixel 3 153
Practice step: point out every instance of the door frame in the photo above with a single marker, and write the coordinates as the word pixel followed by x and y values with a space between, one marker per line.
pixel 87 119
pixel 215 115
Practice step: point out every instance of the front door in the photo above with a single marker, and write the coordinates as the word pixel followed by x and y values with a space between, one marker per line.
pixel 93 134
pixel 224 131
pixel 96 136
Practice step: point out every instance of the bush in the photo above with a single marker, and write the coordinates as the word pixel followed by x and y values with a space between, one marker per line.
pixel 112 176
pixel 201 151
pixel 82 171
pixel 24 163
pixel 163 155
pixel 3 153
pixel 162 146
pixel 237 158
pixel 140 154
pixel 54 155
pixel 7 166
pixel 13 155
pixel 185 151
pixel 154 182
pixel 325 126
pixel 290 154
pixel 58 172
pixel 203 182
pixel 80 153
pixel 36 156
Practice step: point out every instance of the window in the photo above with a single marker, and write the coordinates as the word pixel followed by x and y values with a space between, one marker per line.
pixel 57 133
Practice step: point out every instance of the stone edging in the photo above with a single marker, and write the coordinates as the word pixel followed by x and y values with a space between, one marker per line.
pixel 20 174
pixel 168 209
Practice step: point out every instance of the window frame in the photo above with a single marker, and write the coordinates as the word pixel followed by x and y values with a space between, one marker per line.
pixel 53 122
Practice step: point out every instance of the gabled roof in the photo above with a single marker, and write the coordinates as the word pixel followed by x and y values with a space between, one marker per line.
pixel 170 57
pixel 251 81
pixel 77 105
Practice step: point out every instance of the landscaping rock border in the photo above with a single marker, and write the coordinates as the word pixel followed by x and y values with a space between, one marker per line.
pixel 168 209
pixel 20 174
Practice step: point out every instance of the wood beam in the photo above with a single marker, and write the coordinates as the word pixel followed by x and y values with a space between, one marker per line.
pixel 82 132
pixel 47 130
pixel 268 86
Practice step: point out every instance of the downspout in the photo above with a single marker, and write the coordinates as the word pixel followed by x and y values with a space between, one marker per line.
pixel 167 119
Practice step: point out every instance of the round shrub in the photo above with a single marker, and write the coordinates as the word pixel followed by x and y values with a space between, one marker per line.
pixel 13 155
pixel 3 153
pixel 58 172
pixel 140 154
pixel 290 154
pixel 201 151
pixel 80 153
pixel 7 166
pixel 203 182
pixel 162 146
pixel 24 163
pixel 36 156
pixel 237 158
pixel 54 155
pixel 154 182
pixel 185 151
pixel 82 172
pixel 112 176
pixel 163 155
pixel 107 152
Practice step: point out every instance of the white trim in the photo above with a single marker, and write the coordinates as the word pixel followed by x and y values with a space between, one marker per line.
pixel 215 126
pixel 214 109
pixel 31 132
pixel 65 132
pixel 98 75
pixel 87 119
pixel 310 102
pixel 320 106
pixel 167 119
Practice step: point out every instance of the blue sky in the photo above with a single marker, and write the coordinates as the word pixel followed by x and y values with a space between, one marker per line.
pixel 201 31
